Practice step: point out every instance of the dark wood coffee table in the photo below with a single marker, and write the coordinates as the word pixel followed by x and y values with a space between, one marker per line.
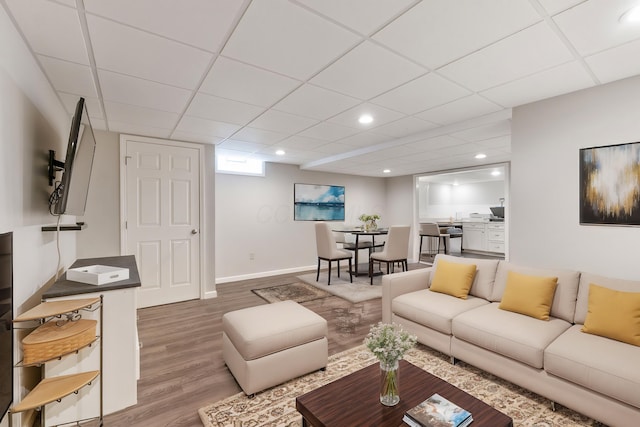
pixel 354 400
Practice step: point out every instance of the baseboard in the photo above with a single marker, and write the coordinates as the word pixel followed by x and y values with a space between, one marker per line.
pixel 264 274
pixel 210 294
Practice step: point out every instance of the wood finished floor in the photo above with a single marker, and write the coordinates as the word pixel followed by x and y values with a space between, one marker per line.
pixel 181 359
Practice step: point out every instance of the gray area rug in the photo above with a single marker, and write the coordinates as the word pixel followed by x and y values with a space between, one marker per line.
pixel 298 292
pixel 358 291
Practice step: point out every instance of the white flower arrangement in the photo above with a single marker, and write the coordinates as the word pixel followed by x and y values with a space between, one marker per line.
pixel 389 342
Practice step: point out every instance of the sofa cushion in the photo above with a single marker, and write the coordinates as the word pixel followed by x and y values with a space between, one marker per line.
pixel 485 275
pixel 432 309
pixel 600 364
pixel 453 278
pixel 613 314
pixel 583 293
pixel 564 300
pixel 513 335
pixel 529 295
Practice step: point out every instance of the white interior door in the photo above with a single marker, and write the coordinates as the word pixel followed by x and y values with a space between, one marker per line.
pixel 162 219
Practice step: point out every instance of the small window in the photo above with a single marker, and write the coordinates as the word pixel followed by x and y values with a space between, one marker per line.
pixel 239 165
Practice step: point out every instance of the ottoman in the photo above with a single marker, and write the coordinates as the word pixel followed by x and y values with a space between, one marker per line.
pixel 269 344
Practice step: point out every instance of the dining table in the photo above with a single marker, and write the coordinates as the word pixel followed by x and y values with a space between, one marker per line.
pixel 358 232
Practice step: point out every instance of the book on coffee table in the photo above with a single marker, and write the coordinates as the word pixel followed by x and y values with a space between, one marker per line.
pixel 437 411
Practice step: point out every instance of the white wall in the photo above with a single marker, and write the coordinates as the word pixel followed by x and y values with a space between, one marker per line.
pixel 32 121
pixel 101 237
pixel 254 215
pixel 546 139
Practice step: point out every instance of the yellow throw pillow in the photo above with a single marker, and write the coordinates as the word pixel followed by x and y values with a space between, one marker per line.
pixel 453 278
pixel 529 295
pixel 613 314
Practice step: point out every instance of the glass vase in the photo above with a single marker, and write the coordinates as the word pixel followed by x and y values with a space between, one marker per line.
pixel 389 383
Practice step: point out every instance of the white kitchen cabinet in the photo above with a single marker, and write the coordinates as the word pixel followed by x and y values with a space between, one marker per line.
pixel 484 237
pixel 473 236
pixel 495 237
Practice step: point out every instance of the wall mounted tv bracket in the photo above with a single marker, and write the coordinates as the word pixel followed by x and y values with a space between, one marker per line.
pixel 54 166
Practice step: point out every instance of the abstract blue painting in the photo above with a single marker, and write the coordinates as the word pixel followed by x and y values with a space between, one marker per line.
pixel 318 202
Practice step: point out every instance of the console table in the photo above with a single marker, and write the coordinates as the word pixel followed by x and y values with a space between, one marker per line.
pixel 121 361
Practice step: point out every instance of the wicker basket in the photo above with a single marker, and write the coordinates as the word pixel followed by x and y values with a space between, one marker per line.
pixel 50 341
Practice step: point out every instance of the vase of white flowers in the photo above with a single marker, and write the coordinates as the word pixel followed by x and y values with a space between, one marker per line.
pixel 389 343
pixel 369 221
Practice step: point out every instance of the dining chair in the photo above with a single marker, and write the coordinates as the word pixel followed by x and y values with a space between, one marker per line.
pixel 328 250
pixel 396 249
pixel 432 230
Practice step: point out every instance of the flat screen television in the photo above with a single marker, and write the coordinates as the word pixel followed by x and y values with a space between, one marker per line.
pixel 70 195
pixel 6 318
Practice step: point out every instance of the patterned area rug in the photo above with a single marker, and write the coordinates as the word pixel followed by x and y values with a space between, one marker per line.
pixel 298 292
pixel 358 291
pixel 276 406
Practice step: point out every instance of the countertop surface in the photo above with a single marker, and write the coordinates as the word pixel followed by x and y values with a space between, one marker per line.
pixel 63 287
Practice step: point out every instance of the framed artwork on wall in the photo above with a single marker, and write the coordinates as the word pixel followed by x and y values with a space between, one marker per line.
pixel 610 185
pixel 318 202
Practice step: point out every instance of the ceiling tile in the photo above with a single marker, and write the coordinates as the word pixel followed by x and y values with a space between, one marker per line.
pixel 129 51
pixel 461 149
pixel 69 77
pixel 204 23
pixel 403 127
pixel 484 132
pixel 593 26
pixel 51 29
pixel 616 63
pixel 499 143
pixel 143 93
pixel 301 143
pixel 328 131
pixel 315 102
pixel 283 37
pixel 364 139
pixel 556 6
pixel 529 51
pixel 367 71
pixel 136 129
pixel 222 110
pixel 234 144
pixel 70 3
pixel 142 116
pixel 92 105
pixel 437 32
pixel 333 148
pixel 241 82
pixel 436 143
pixel 261 136
pixel 460 110
pixel 380 116
pixel 278 121
pixel 420 94
pixel 564 78
pixel 206 127
pixel 98 124
pixel 363 16
pixel 195 137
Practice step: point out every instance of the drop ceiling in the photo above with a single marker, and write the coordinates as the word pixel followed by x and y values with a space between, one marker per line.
pixel 439 77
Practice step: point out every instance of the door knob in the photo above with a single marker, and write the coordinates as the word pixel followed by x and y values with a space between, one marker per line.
pixel 194 231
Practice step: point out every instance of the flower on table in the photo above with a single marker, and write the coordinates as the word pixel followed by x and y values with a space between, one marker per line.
pixel 365 217
pixel 389 342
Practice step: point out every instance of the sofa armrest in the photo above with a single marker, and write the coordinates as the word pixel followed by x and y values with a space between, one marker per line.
pixel 402 283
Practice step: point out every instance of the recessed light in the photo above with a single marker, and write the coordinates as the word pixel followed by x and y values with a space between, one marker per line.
pixel 365 119
pixel 495 173
pixel 481 156
pixel 386 171
pixel 631 16
pixel 280 152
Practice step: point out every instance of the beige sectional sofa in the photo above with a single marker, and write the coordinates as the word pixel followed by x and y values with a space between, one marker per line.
pixel 594 375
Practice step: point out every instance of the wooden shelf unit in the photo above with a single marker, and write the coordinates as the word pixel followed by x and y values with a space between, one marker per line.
pixel 54 389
